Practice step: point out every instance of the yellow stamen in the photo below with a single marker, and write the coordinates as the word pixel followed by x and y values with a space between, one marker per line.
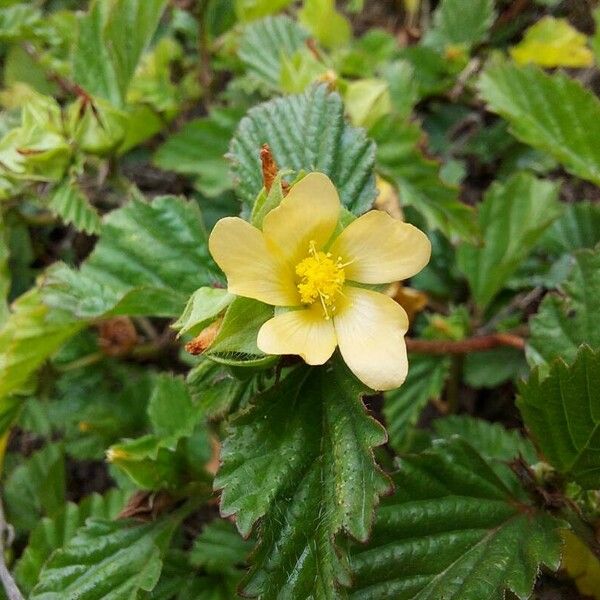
pixel 321 278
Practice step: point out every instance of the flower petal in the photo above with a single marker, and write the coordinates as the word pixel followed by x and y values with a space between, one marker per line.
pixel 381 249
pixel 370 330
pixel 304 332
pixel 251 269
pixel 309 212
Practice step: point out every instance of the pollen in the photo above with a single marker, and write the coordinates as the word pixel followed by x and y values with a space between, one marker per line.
pixel 321 279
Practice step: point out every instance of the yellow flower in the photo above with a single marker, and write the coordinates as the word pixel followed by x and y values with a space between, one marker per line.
pixel 294 263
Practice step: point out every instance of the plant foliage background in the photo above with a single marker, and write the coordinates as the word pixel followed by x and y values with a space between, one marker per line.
pixel 131 468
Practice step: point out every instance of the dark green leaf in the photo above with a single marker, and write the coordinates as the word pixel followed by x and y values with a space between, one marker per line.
pixel 454 531
pixel 305 132
pixel 301 458
pixel 562 413
pixel 578 227
pixel 71 205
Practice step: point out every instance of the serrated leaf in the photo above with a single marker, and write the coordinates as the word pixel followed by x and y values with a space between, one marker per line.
pixel 461 22
pixel 562 413
pixel 567 320
pixel 112 38
pixel 219 548
pixel 266 44
pixel 31 334
pixel 403 406
pixel 552 42
pixel 453 531
pixel 553 113
pixel 52 534
pixel 305 132
pixel 301 458
pixel 198 149
pixel 71 205
pixel 150 257
pixel 417 178
pixel 36 488
pixel 512 218
pixel 105 559
pixel 326 24
pixel 493 367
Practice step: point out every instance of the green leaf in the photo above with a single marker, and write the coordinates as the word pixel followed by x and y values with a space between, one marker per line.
pixel 112 37
pixel 52 534
pixel 198 149
pixel 203 306
pixel 563 416
pixel 248 10
pixel 403 406
pixel 400 160
pixel 301 457
pixel 512 218
pixel 493 367
pixel 552 42
pixel 18 21
pixel 453 530
pixel 105 559
pixel 553 113
pixel 461 23
pixel 36 488
pixel 578 227
pixel 266 44
pixel 367 100
pixel 150 257
pixel 70 203
pixel 219 548
pixel 31 334
pixel 326 24
pixel 5 275
pixel 565 321
pixel 305 132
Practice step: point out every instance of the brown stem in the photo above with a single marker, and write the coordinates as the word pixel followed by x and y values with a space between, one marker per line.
pixel 474 344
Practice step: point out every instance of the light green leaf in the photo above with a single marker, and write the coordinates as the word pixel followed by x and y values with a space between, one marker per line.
pixel 512 218
pixel 199 148
pixel 219 548
pixel 203 306
pixel 326 24
pixel 112 37
pixel 552 42
pixel 453 530
pixel 51 534
pixel 31 334
pixel 553 113
pixel 105 559
pixel 249 10
pixel 400 160
pixel 562 414
pixel 4 272
pixel 565 321
pixel 461 23
pixel 367 100
pixel 150 257
pixel 402 407
pixel 18 21
pixel 266 44
pixel 36 488
pixel 70 203
pixel 305 132
pixel 302 451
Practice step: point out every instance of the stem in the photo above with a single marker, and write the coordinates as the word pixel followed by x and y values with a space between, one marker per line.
pixel 84 361
pixel 581 529
pixel 10 587
pixel 480 343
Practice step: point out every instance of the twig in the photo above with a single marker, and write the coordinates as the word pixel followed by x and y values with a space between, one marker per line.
pixel 474 344
pixel 516 8
pixel 6 534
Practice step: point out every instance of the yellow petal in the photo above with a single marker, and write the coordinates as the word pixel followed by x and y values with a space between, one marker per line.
pixel 252 270
pixel 381 249
pixel 370 330
pixel 309 212
pixel 303 332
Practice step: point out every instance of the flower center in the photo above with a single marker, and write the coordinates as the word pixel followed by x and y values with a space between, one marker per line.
pixel 321 278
